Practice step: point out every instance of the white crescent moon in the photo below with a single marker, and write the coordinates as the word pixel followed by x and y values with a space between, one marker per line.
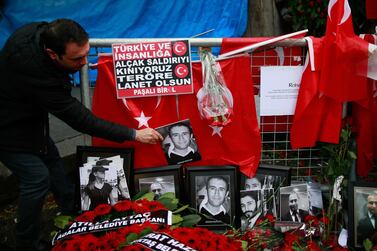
pixel 347 12
pixel 177 48
pixel 346 8
pixel 179 70
pixel 124 100
pixel 329 8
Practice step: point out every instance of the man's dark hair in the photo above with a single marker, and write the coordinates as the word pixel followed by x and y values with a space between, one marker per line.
pixel 177 125
pixel 62 31
pixel 219 178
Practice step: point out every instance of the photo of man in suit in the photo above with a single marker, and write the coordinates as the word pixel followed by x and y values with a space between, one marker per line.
pixel 295 214
pixel 367 226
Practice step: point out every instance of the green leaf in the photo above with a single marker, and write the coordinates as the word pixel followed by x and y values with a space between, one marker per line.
pixel 352 155
pixel 52 234
pixel 148 196
pixel 145 231
pixel 131 237
pixel 62 221
pixel 139 195
pixel 170 204
pixel 181 209
pixel 368 245
pixel 169 195
pixel 176 219
pixel 190 220
pixel 244 245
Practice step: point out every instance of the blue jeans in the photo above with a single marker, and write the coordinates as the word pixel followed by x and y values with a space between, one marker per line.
pixel 36 175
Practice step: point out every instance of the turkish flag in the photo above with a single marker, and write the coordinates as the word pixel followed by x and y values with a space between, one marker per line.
pixel 136 113
pixel 237 143
pixel 345 56
pixel 371 9
pixel 317 117
pixel 263 56
pixel 364 118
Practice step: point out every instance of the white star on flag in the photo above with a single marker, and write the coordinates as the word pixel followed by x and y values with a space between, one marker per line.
pixel 143 121
pixel 216 130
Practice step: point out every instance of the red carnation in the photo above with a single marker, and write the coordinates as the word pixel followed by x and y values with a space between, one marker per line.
pixel 112 239
pixel 290 238
pixel 89 242
pixel 123 206
pixel 87 216
pixel 325 220
pixel 102 209
pixel 270 218
pixel 155 206
pixel 287 247
pixel 311 220
pixel 312 246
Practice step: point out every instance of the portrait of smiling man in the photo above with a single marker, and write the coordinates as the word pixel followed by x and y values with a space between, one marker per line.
pixel 213 205
pixel 180 142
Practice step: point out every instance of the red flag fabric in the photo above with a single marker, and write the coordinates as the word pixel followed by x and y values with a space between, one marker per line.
pixel 237 143
pixel 345 56
pixel 371 9
pixel 133 112
pixel 317 117
pixel 364 118
pixel 276 56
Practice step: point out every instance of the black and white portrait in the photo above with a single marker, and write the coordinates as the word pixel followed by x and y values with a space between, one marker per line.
pixel 268 201
pixel 365 215
pixel 269 178
pixel 294 203
pixel 212 198
pixel 116 162
pixel 315 199
pixel 179 143
pixel 251 208
pixel 158 185
pixel 103 175
pixel 97 185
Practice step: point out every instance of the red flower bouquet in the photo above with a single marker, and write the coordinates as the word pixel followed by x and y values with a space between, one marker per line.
pixel 130 225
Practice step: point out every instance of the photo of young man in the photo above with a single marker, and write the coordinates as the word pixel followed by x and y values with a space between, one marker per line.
pixel 179 143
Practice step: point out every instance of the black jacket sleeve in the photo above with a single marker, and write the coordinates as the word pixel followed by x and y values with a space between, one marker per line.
pixel 56 98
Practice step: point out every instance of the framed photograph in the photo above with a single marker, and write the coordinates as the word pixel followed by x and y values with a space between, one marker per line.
pixel 268 177
pixel 179 143
pixel 251 207
pixel 362 214
pixel 294 203
pixel 212 190
pixel 315 199
pixel 103 175
pixel 159 180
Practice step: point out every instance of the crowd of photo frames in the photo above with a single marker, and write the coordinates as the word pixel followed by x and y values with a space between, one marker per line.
pixel 221 194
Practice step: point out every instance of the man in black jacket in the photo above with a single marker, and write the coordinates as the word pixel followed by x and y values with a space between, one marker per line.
pixel 35 67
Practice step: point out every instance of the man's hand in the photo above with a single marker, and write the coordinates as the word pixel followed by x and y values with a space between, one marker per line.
pixel 148 135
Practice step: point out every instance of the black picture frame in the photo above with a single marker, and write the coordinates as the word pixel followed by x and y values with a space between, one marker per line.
pixel 361 194
pixel 168 179
pixel 110 158
pixel 196 178
pixel 270 176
